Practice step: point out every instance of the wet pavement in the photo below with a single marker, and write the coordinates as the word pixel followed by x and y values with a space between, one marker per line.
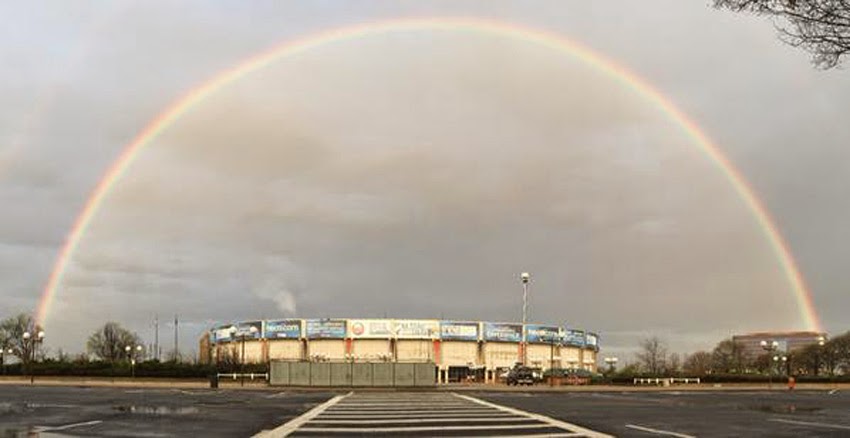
pixel 41 411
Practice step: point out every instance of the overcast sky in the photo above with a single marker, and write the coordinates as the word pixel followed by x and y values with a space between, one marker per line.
pixel 415 174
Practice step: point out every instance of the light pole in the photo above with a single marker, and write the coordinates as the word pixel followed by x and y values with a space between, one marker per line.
pixel 769 347
pixel 525 277
pixel 821 342
pixel 131 356
pixel 611 361
pixel 34 341
pixel 251 331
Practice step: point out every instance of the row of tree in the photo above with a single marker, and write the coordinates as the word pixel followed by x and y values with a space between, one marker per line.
pixel 108 343
pixel 729 357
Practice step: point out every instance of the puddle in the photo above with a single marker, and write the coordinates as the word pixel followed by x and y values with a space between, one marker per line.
pixel 785 409
pixel 156 410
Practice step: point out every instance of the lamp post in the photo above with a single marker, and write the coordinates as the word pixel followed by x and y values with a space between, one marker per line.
pixel 821 342
pixel 611 362
pixel 525 277
pixel 132 353
pixel 769 347
pixel 251 331
pixel 33 341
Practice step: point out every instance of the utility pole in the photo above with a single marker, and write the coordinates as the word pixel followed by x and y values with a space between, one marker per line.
pixel 525 277
pixel 156 337
pixel 176 345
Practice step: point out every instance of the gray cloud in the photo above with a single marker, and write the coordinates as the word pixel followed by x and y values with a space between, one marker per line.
pixel 415 174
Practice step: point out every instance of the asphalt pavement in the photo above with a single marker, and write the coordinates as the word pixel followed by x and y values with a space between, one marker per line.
pixel 44 411
pixel 775 414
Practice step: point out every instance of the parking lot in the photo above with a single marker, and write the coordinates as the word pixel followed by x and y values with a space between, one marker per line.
pixel 104 411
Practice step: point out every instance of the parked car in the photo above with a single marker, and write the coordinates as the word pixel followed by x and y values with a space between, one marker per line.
pixel 520 375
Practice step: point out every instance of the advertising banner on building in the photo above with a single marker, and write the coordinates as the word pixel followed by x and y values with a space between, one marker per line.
pixel 591 340
pixel 243 329
pixel 416 328
pixel 499 332
pixel 370 328
pixel 574 338
pixel 283 328
pixel 221 334
pixel 459 331
pixel 542 334
pixel 326 328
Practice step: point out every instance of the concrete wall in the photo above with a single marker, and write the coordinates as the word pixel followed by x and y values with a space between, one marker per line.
pixel 285 349
pixel 458 353
pixel 415 350
pixel 346 374
pixel 539 355
pixel 329 349
pixel 370 349
pixel 501 354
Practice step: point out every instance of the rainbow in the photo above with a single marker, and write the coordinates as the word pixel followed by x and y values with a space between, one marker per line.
pixel 488 27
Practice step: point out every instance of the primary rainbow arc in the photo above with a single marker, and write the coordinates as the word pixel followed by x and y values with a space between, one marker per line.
pixel 553 41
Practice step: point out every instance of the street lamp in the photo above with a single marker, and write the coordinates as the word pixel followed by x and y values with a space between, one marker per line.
pixel 34 341
pixel 769 347
pixel 132 353
pixel 821 342
pixel 611 361
pixel 525 277
pixel 251 331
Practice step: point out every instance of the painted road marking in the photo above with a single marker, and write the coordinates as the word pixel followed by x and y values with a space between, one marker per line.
pixel 297 422
pixel 548 420
pixel 809 423
pixel 422 420
pixel 658 431
pixel 68 426
pixel 406 413
pixel 403 429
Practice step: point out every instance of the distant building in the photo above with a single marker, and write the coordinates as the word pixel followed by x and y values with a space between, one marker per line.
pixel 789 342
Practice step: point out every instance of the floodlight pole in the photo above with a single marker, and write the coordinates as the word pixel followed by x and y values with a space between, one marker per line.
pixel 525 277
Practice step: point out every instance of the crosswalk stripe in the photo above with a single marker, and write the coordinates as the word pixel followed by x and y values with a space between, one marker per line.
pixel 551 421
pixel 422 428
pixel 421 420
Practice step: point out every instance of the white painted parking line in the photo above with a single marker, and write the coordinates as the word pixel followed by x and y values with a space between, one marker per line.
pixel 297 422
pixel 403 429
pixel 658 431
pixel 421 420
pixel 548 420
pixel 495 414
pixel 67 426
pixel 810 423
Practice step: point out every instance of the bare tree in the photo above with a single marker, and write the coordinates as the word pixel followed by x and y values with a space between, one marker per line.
pixel 653 355
pixel 821 27
pixel 674 364
pixel 698 364
pixel 12 335
pixel 108 342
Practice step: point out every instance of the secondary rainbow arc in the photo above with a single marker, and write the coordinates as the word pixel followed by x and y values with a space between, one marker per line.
pixel 554 41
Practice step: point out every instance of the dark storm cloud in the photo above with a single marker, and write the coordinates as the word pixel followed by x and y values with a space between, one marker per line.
pixel 414 177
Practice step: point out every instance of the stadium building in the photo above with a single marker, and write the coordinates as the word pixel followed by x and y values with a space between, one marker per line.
pixel 460 349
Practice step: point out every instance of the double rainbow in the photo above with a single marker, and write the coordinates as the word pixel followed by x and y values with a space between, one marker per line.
pixel 488 27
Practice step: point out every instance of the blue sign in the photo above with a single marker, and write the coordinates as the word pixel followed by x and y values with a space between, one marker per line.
pixel 574 338
pixel 542 334
pixel 283 328
pixel 461 331
pixel 498 332
pixel 326 328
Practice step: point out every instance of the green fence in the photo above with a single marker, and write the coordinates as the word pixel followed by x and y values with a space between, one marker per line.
pixel 347 374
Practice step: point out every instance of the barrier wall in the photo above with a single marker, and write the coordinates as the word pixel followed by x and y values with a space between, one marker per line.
pixel 345 374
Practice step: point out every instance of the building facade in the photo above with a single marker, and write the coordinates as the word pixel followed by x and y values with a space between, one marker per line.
pixel 788 342
pixel 460 349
